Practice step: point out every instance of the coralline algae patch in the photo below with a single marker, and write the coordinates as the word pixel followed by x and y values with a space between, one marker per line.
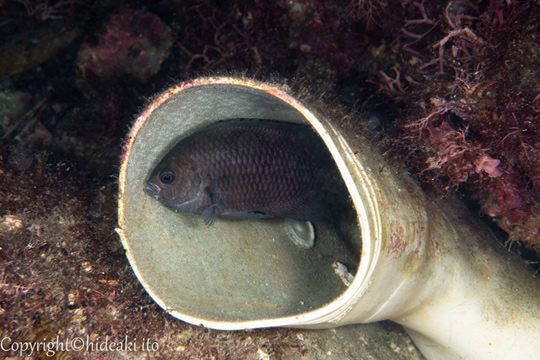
pixel 133 42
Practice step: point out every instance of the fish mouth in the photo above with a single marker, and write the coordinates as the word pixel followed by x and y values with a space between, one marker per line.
pixel 152 189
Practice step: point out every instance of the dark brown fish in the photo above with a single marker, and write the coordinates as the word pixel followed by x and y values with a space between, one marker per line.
pixel 247 169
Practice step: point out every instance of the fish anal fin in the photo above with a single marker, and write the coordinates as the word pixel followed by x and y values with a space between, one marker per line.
pixel 245 215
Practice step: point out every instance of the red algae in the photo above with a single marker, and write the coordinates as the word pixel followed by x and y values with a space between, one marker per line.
pixel 470 104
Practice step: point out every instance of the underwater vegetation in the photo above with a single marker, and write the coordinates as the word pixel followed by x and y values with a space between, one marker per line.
pixel 471 105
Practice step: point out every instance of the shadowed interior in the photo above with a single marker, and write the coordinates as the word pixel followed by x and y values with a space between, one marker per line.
pixel 234 270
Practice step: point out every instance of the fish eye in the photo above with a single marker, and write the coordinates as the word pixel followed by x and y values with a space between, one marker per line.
pixel 166 176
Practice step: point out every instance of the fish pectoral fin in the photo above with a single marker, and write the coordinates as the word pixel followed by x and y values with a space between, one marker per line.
pixel 213 191
pixel 209 215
